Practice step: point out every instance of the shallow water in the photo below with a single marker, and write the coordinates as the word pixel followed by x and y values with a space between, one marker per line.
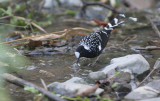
pixel 61 65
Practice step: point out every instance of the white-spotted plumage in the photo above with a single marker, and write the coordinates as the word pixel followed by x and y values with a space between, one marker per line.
pixel 93 44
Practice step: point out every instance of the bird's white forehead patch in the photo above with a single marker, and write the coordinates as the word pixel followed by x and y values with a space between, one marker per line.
pixel 77 54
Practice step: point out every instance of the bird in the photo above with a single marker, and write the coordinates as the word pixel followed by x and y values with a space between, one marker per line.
pixel 93 44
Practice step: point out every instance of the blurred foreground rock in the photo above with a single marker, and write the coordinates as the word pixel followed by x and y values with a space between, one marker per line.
pixel 152 99
pixel 72 87
pixel 150 90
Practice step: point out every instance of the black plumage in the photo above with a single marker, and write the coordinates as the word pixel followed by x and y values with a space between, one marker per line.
pixel 93 44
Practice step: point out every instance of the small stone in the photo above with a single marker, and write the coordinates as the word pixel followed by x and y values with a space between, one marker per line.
pixel 136 63
pixel 123 77
pixel 76 80
pixel 99 75
pixel 144 92
pixel 115 85
pixel 152 99
pixel 155 85
pixel 123 89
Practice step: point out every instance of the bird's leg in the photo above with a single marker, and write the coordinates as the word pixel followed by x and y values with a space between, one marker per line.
pixel 76 64
pixel 93 63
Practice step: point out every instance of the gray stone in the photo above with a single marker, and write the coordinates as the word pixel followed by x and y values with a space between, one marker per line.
pixel 77 3
pixel 144 92
pixel 150 90
pixel 76 80
pixel 123 89
pixel 154 84
pixel 110 70
pixel 136 63
pixel 99 75
pixel 152 99
pixel 68 88
pixel 123 77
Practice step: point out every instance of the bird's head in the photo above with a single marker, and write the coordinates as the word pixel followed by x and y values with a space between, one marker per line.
pixel 79 53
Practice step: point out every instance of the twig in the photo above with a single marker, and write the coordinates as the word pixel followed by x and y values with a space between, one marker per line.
pixel 85 4
pixel 5 17
pixel 46 73
pixel 13 25
pixel 153 25
pixel 52 33
pixel 146 78
pixel 27 21
pixel 76 33
pixel 20 82
pixel 128 39
pixel 156 65
pixel 149 48
pixel 44 84
pixel 31 22
pixel 45 87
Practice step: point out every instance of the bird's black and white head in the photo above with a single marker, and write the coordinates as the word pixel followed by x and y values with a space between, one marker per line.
pixel 81 51
pixel 78 53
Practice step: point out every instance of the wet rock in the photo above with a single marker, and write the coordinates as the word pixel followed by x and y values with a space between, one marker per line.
pixel 152 99
pixel 133 84
pixel 142 93
pixel 121 83
pixel 143 75
pixel 110 69
pixel 136 63
pixel 99 75
pixel 154 84
pixel 70 89
pixel 123 89
pixel 123 77
pixel 77 3
pixel 150 90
